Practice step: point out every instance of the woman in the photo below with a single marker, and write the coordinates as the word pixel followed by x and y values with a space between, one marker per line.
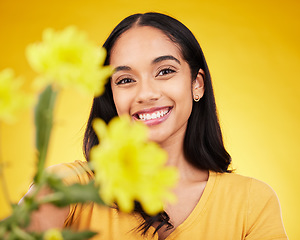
pixel 161 79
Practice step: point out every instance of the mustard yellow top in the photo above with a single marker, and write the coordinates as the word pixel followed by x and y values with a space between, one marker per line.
pixel 231 207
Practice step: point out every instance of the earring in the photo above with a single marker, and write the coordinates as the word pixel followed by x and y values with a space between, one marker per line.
pixel 196 98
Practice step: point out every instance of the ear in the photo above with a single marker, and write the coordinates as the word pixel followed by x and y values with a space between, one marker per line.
pixel 198 85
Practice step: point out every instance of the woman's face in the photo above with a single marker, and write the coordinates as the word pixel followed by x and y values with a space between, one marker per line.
pixel 152 83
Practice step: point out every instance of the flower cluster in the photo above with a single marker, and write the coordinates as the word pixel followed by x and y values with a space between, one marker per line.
pixel 127 166
pixel 12 98
pixel 68 59
pixel 130 168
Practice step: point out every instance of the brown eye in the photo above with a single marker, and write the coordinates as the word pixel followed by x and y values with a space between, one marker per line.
pixel 165 71
pixel 124 81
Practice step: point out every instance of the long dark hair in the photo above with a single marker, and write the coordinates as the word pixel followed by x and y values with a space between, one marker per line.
pixel 203 142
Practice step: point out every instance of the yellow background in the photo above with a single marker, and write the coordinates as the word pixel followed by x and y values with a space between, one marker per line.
pixel 252 49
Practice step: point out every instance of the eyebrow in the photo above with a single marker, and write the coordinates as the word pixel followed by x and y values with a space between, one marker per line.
pixel 156 60
pixel 122 68
pixel 165 57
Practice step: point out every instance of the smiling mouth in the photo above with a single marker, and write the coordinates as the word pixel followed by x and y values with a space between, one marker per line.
pixel 152 115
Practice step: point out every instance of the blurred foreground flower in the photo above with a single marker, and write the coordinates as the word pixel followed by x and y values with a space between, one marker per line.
pixel 68 59
pixel 12 98
pixel 53 234
pixel 129 168
pixel 63 59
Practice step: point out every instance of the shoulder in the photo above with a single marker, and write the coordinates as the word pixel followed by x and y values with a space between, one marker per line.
pixel 247 185
pixel 73 172
pixel 245 192
pixel 260 203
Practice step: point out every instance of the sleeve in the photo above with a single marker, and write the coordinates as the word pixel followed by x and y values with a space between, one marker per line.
pixel 264 221
pixel 71 173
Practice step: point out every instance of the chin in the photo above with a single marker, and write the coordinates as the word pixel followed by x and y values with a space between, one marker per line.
pixel 158 138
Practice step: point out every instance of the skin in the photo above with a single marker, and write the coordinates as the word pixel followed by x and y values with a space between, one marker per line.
pixel 48 216
pixel 151 76
pixel 145 80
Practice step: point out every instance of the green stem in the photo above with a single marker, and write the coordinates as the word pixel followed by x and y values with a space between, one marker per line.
pixel 21 234
pixel 43 123
pixel 36 190
pixel 3 181
pixel 54 197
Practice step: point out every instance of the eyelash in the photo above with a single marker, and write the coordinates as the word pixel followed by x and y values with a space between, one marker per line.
pixel 124 81
pixel 165 70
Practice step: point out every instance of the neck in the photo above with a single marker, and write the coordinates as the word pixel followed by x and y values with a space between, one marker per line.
pixel 176 158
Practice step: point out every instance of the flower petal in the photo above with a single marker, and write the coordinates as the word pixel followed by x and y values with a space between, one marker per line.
pixel 129 168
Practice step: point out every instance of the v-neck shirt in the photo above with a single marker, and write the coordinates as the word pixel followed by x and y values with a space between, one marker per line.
pixel 231 207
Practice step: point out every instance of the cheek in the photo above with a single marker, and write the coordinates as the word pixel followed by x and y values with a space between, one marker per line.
pixel 183 97
pixel 182 91
pixel 118 104
pixel 121 102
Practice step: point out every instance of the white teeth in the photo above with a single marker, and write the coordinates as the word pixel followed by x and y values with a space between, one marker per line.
pixel 154 115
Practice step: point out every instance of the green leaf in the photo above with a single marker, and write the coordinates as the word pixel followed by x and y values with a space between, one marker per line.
pixel 20 215
pixel 70 235
pixel 77 193
pixel 3 230
pixel 19 234
pixel 43 123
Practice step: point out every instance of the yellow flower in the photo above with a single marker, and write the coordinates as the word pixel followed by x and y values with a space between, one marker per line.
pixel 53 234
pixel 12 98
pixel 129 168
pixel 68 59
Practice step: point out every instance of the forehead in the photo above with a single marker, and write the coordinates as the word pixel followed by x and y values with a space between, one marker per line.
pixel 142 43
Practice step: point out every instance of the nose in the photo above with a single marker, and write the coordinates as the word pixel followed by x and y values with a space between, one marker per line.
pixel 147 91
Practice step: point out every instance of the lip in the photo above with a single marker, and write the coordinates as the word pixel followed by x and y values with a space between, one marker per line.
pixel 155 121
